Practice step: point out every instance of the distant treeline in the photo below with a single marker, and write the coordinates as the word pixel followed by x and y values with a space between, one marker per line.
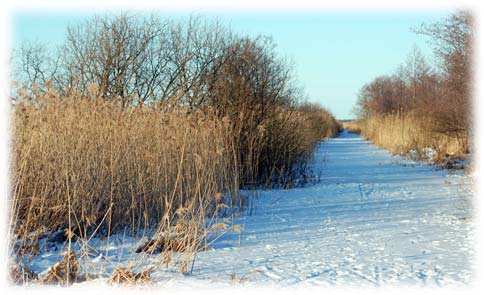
pixel 430 101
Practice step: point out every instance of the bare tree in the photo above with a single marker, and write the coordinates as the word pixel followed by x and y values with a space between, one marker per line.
pixel 251 86
pixel 452 41
pixel 125 56
pixel 442 96
pixel 197 47
pixel 35 64
pixel 415 71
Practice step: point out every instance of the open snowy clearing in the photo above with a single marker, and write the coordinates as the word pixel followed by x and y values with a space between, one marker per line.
pixel 373 220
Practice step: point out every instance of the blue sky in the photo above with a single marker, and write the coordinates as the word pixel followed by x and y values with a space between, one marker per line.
pixel 334 53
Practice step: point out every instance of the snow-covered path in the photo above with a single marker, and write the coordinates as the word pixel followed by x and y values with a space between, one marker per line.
pixel 375 219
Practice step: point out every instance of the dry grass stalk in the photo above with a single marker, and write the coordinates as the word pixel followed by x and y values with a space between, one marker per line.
pixel 126 276
pixel 177 244
pixel 21 274
pixel 64 272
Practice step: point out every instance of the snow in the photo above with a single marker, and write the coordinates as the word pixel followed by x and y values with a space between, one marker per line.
pixel 373 220
pixel 425 154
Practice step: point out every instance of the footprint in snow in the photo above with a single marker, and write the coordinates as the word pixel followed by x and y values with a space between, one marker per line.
pixel 422 276
pixel 268 271
pixel 377 275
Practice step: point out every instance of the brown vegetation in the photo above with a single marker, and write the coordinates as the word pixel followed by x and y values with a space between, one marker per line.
pixel 418 107
pixel 149 124
pixel 94 167
pixel 121 275
pixel 64 272
pixel 404 133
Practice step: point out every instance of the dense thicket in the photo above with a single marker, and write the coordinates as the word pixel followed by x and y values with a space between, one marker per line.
pixel 196 64
pixel 152 125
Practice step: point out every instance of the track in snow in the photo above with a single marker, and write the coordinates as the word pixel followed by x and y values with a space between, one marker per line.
pixel 374 220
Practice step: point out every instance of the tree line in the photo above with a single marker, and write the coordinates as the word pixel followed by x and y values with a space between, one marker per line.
pixel 439 89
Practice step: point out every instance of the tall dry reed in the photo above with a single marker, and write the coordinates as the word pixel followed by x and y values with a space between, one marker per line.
pixel 90 166
pixel 405 133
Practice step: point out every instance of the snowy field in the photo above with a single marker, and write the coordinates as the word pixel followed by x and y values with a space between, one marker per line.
pixel 373 220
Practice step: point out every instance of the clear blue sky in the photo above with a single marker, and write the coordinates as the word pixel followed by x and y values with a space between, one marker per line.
pixel 334 53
